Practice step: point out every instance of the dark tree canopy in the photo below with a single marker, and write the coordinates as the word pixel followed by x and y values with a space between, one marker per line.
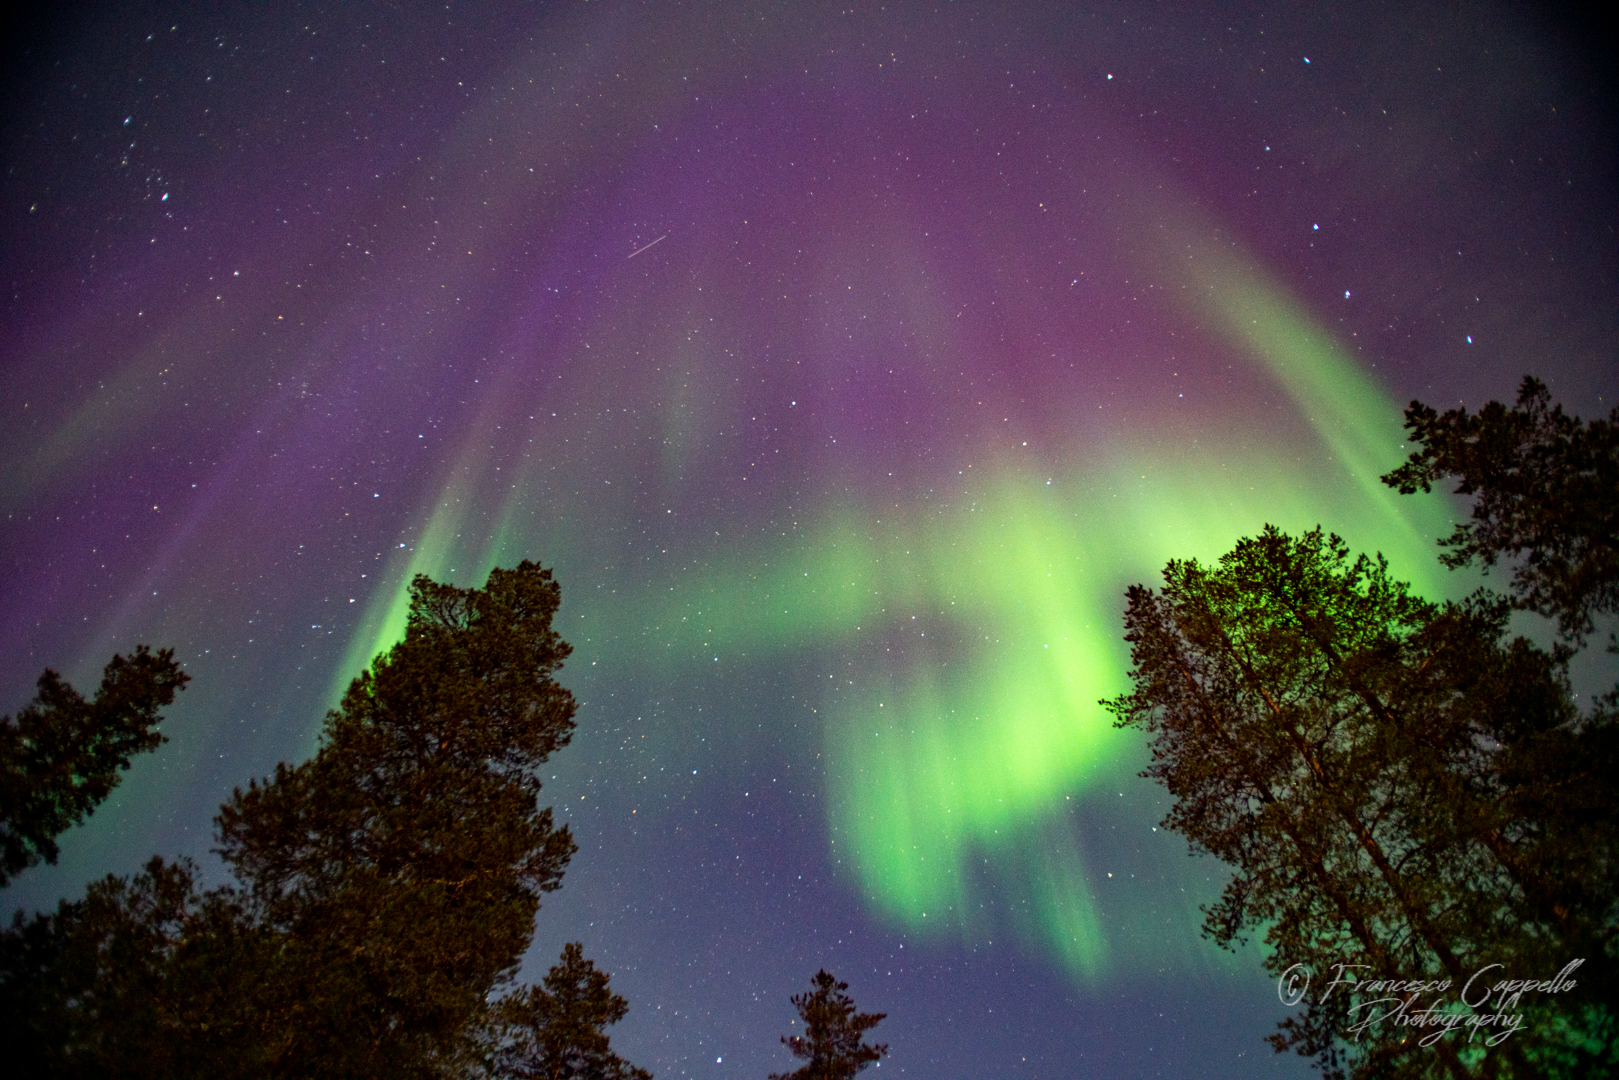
pixel 143 977
pixel 61 756
pixel 833 1039
pixel 402 866
pixel 1546 490
pixel 555 1032
pixel 384 889
pixel 1394 784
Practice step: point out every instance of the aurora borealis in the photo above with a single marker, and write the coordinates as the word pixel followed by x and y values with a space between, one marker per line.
pixel 846 363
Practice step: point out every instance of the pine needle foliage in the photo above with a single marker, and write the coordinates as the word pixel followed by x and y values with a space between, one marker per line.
pixel 61 756
pixel 554 1031
pixel 834 1034
pixel 1399 789
pixel 384 889
pixel 1545 490
pixel 402 866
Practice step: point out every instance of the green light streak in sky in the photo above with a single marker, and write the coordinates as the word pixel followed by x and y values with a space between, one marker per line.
pixel 967 738
pixel 966 751
pixel 1351 413
pixel 968 747
pixel 441 553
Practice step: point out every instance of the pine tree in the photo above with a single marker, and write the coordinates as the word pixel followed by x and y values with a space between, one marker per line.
pixel 833 1039
pixel 1546 493
pixel 385 887
pixel 555 1033
pixel 1396 787
pixel 402 866
pixel 61 756
pixel 143 977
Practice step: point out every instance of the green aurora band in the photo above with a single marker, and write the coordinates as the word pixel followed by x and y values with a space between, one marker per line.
pixel 962 763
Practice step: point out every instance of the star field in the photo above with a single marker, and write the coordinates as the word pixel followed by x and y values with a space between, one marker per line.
pixel 846 363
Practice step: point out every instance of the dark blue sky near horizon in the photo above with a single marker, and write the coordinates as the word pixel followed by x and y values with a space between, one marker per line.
pixel 845 362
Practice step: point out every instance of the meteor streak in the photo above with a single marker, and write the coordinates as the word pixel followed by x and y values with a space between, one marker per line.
pixel 638 250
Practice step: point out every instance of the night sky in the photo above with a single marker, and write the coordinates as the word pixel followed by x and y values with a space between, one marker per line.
pixel 847 363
